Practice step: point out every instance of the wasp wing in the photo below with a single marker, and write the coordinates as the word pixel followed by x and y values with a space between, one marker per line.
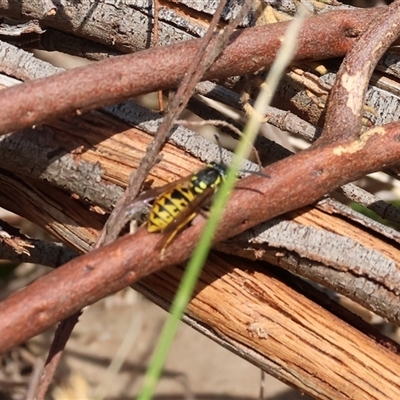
pixel 151 194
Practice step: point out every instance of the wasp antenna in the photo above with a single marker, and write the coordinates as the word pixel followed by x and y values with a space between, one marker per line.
pixel 241 135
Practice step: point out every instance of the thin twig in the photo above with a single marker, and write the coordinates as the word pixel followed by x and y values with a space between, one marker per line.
pixel 380 207
pixel 201 63
pixel 34 378
pixel 61 337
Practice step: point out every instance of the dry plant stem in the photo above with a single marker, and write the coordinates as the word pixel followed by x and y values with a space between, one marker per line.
pixel 295 182
pixel 118 219
pixel 203 59
pixel 109 81
pixel 382 208
pixel 34 379
pixel 343 118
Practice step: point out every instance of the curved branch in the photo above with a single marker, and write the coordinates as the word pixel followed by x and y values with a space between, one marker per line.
pixel 309 174
pixel 109 81
pixel 347 96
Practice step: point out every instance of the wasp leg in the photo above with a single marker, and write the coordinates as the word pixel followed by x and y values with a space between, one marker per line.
pixel 133 226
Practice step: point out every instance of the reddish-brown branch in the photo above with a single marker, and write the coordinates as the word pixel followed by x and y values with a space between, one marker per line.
pixel 343 118
pixel 61 337
pixel 309 175
pixel 109 81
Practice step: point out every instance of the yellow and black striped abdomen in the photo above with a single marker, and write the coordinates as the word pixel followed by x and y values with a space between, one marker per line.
pixel 169 206
pixel 177 206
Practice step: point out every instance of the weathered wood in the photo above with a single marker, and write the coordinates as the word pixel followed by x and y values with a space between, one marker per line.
pixel 258 317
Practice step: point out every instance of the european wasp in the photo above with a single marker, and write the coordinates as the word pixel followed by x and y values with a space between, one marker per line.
pixel 176 204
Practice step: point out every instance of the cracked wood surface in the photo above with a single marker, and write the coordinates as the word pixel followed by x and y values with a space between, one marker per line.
pixel 251 308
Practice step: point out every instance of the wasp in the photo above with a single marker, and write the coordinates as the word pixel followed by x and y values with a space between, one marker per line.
pixel 176 204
